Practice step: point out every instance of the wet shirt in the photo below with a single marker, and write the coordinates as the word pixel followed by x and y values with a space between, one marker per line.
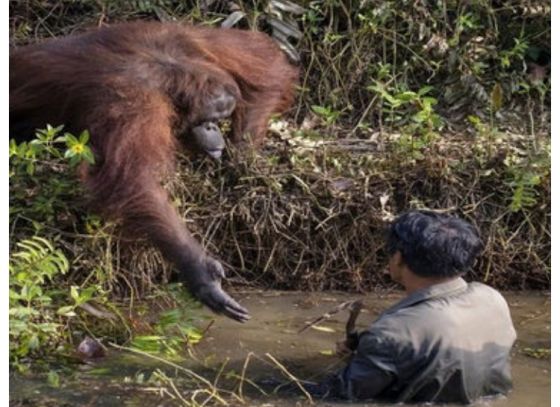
pixel 447 343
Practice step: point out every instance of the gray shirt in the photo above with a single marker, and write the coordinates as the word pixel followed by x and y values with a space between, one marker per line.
pixel 447 343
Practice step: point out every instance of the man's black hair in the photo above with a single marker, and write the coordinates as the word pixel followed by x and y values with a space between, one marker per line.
pixel 433 244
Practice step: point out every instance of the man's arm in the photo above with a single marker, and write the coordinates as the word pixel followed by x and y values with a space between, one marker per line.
pixel 370 371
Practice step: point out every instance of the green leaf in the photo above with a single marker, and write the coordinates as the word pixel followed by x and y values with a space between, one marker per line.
pixel 148 343
pixel 88 156
pixel 67 311
pixel 33 342
pixel 53 379
pixel 48 327
pixel 84 137
pixel 22 149
pixel 320 110
pixel 406 96
pixel 13 148
pixel 192 333
pixel 86 294
pixel 389 98
pixel 74 293
pixel 30 169
pixel 70 140
pixel 23 312
pixel 429 101
pixel 424 90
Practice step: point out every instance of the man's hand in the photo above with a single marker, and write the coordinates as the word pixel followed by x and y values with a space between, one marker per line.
pixel 342 350
pixel 347 346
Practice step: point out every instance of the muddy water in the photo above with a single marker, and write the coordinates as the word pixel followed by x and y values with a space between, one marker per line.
pixel 277 317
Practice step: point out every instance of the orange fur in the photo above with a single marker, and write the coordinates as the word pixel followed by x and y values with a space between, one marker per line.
pixel 135 86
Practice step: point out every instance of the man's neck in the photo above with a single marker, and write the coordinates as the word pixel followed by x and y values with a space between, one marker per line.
pixel 413 283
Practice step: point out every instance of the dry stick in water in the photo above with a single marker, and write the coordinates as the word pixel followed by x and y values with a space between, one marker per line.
pixel 219 374
pixel 243 379
pixel 335 310
pixel 214 390
pixel 163 376
pixel 291 376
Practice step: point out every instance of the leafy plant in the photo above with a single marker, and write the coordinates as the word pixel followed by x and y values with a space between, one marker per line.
pixel 414 113
pixel 408 107
pixel 327 114
pixel 40 185
pixel 40 193
pixel 33 324
pixel 47 304
pixel 526 168
pixel 46 145
pixel 175 328
pixel 527 171
pixel 517 52
pixel 524 194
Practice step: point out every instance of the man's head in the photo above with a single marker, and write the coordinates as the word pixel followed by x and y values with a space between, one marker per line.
pixel 431 245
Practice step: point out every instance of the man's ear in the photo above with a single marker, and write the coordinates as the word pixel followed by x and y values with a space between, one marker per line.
pixel 399 258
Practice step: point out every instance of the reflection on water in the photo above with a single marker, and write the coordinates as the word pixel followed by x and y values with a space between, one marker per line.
pixel 277 317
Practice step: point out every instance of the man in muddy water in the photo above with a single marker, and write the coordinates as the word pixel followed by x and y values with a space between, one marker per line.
pixel 447 340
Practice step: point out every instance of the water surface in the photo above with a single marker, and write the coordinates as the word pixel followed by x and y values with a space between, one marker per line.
pixel 223 356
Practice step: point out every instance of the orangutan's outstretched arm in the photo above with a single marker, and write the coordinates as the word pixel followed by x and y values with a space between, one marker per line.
pixel 134 146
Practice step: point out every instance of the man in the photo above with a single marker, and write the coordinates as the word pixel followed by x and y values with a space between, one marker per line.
pixel 447 340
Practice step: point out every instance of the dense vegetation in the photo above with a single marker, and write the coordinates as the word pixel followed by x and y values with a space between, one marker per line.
pixel 403 104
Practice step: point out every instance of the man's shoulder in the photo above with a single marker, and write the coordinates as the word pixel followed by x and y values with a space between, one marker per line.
pixel 439 312
pixel 488 294
pixel 478 286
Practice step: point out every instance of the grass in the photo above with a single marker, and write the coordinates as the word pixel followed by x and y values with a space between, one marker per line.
pixel 312 215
